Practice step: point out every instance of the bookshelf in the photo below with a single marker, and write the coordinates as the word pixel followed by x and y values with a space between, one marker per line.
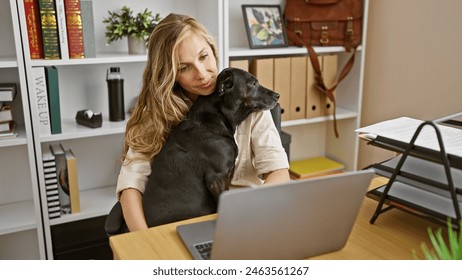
pixel 82 85
pixel 20 213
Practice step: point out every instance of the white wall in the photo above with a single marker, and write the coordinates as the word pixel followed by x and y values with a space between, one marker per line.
pixel 413 63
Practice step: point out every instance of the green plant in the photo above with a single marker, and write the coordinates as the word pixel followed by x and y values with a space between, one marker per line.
pixel 441 250
pixel 123 24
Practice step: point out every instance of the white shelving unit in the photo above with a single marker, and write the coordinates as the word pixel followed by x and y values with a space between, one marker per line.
pixel 20 212
pixel 25 229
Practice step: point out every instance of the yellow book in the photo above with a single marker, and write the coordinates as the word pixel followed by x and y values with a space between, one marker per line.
pixel 312 167
pixel 74 193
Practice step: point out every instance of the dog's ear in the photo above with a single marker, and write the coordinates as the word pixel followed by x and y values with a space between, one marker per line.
pixel 226 82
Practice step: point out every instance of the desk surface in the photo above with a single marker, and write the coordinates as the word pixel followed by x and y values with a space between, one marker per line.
pixel 393 236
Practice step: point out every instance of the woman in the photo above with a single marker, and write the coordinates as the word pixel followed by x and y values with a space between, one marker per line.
pixel 182 64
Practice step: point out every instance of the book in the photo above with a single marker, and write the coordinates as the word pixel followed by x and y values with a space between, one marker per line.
pixel 62 29
pixel 7 126
pixel 88 28
pixel 313 167
pixel 74 28
pixel 62 177
pixel 8 92
pixel 73 181
pixel 49 28
pixel 11 132
pixel 6 114
pixel 52 79
pixel 51 183
pixel 34 35
pixel 39 101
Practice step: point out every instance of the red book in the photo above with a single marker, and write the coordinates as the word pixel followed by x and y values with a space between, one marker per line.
pixel 33 29
pixel 74 28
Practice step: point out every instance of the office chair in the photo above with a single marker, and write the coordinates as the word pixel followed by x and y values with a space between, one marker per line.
pixel 115 223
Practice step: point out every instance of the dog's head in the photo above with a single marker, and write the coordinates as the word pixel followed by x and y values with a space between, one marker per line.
pixel 242 94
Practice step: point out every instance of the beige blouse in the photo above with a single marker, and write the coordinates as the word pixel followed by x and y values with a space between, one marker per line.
pixel 260 152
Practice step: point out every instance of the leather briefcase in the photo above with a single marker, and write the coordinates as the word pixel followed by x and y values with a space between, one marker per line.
pixel 325 23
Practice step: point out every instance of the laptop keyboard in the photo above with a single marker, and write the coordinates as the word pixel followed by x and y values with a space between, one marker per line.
pixel 204 249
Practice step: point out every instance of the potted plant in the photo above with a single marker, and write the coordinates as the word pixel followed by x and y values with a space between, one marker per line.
pixel 137 28
pixel 450 249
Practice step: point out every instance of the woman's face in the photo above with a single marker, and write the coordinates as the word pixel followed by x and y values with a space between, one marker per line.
pixel 197 71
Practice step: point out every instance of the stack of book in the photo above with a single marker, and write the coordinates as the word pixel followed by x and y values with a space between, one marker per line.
pixel 61 180
pixel 313 167
pixel 67 33
pixel 7 123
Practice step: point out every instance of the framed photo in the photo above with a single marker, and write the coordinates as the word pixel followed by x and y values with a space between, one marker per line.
pixel 265 26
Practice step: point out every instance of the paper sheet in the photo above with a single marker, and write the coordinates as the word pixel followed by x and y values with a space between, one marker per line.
pixel 402 129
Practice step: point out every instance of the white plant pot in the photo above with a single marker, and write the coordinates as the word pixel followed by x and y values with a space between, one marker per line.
pixel 136 45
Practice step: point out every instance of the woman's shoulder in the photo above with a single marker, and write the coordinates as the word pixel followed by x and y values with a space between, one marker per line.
pixel 258 117
pixel 261 121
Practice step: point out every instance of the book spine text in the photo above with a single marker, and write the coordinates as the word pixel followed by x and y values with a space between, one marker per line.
pixel 33 29
pixel 74 28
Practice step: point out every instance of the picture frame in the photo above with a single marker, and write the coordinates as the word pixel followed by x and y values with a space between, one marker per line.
pixel 265 26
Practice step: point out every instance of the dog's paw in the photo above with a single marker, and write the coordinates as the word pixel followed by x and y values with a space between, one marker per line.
pixel 218 184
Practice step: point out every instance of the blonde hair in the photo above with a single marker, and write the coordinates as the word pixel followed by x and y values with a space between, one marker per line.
pixel 160 105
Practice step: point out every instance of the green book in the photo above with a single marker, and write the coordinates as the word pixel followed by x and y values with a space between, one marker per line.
pixel 315 166
pixel 53 98
pixel 49 26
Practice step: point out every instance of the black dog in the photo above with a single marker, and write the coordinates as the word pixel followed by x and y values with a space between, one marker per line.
pixel 197 161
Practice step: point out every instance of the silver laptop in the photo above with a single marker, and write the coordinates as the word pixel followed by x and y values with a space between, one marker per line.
pixel 295 220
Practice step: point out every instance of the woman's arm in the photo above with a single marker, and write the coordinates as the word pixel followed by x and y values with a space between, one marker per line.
pixel 132 207
pixel 130 188
pixel 277 176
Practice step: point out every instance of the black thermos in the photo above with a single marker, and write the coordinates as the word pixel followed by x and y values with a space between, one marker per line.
pixel 115 86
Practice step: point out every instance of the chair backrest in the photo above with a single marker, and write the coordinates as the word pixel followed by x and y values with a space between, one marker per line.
pixel 276 113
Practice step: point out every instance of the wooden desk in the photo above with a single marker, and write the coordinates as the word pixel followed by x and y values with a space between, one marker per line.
pixel 393 236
